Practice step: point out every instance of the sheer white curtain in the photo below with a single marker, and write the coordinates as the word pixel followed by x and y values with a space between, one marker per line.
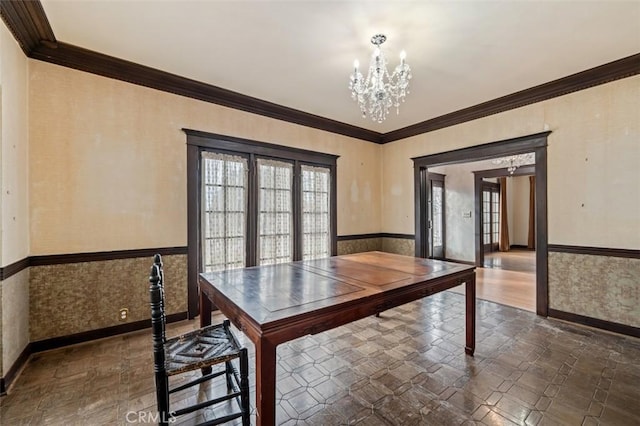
pixel 275 208
pixel 224 209
pixel 316 235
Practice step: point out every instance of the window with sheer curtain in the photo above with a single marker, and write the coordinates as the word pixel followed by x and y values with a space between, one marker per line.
pixel 224 211
pixel 255 203
pixel 264 210
pixel 316 231
pixel 275 212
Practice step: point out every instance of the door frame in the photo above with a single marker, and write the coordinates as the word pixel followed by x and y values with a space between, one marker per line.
pixel 477 185
pixel 492 187
pixel 428 195
pixel 536 143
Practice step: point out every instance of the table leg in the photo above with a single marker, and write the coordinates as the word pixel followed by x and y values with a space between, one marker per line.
pixel 205 320
pixel 265 383
pixel 470 293
pixel 205 310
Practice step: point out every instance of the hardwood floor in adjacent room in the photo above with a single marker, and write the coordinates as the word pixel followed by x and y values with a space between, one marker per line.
pixel 508 278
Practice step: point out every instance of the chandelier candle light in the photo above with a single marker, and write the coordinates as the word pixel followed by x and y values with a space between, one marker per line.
pixel 514 161
pixel 380 91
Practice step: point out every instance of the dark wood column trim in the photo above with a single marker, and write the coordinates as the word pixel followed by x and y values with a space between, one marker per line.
pixel 14 268
pixel 28 23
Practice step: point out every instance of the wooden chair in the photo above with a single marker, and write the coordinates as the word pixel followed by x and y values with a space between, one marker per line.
pixel 197 350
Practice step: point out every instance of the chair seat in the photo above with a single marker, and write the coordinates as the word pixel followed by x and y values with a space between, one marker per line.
pixel 200 349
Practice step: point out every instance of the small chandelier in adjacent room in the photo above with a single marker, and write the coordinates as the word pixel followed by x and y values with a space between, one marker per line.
pixel 514 161
pixel 380 91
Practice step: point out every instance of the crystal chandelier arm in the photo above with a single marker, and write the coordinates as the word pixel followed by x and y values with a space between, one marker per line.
pixel 380 90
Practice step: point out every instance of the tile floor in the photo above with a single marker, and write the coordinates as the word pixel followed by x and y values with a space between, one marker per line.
pixel 405 368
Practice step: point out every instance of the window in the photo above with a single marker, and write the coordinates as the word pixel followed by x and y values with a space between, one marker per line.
pixel 252 203
pixel 224 208
pixel 275 210
pixel 316 232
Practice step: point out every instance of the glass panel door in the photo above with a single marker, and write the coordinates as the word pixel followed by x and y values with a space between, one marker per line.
pixel 490 216
pixel 436 214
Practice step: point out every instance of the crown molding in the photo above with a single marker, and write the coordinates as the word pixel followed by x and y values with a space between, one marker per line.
pixel 622 68
pixel 107 66
pixel 30 26
pixel 28 23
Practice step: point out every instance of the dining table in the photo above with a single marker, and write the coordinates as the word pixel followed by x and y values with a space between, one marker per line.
pixel 273 304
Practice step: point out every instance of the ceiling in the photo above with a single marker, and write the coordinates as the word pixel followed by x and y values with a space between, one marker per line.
pixel 299 54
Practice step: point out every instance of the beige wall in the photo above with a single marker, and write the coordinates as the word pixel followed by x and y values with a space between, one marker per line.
pixel 15 134
pixel 593 191
pixel 108 172
pixel 594 166
pixel 459 198
pixel 593 163
pixel 108 162
pixel 14 199
pixel 518 209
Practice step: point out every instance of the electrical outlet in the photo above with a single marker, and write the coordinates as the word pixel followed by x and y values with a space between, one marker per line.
pixel 124 314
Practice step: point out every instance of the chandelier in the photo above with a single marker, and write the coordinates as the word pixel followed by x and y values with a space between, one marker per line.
pixel 514 161
pixel 380 91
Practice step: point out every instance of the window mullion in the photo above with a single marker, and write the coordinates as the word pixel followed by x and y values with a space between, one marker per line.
pixel 297 212
pixel 252 214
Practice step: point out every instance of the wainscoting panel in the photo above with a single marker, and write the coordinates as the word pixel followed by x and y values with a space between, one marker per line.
pixel 602 287
pixel 14 318
pixel 71 298
pixel 359 245
pixel 402 246
pixel 390 243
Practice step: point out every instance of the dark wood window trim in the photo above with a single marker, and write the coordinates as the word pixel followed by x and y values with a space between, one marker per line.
pixel 197 142
pixel 536 143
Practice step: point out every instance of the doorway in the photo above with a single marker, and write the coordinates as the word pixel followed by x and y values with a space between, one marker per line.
pixel 432 207
pixel 536 144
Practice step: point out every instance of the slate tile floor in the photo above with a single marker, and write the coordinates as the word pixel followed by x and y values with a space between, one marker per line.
pixel 405 368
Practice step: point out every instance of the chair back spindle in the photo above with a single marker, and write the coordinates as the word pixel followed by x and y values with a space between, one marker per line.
pixel 157 327
pixel 157 260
